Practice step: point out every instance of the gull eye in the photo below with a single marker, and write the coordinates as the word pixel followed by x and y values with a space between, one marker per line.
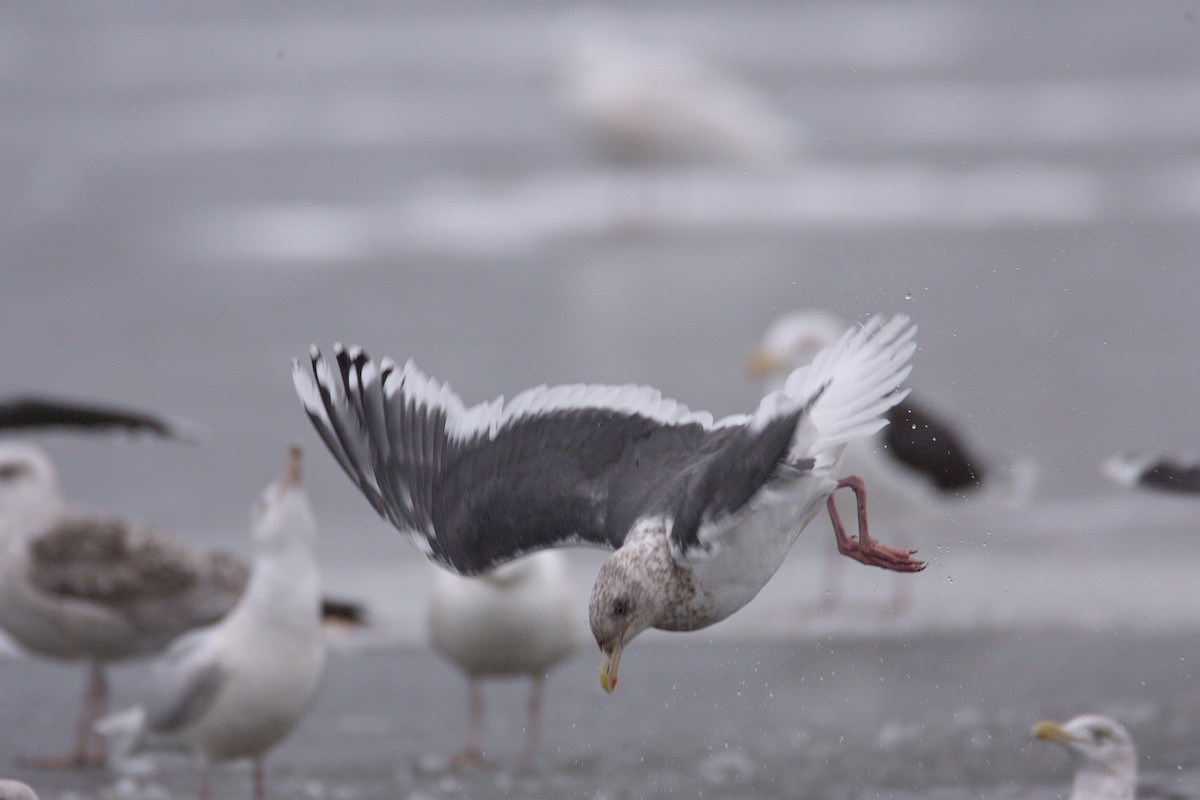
pixel 620 607
pixel 1100 735
pixel 9 472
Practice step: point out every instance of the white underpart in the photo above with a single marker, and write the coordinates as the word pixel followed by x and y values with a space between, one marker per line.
pixel 268 651
pixel 859 376
pixel 515 620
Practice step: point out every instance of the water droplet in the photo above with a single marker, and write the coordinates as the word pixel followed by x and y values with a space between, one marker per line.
pixel 908 295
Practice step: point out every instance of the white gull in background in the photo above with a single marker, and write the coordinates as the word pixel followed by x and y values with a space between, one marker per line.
pixel 235 689
pixel 700 513
pixel 644 105
pixel 1103 753
pixel 918 466
pixel 83 587
pixel 513 621
pixel 1158 472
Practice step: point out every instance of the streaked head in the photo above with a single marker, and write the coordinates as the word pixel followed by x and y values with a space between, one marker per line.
pixel 623 604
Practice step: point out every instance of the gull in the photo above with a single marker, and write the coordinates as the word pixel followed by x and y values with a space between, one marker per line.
pixel 514 620
pixel 699 513
pixel 235 689
pixel 97 588
pixel 1104 756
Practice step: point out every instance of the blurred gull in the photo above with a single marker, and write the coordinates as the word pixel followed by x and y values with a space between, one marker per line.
pixel 919 466
pixel 643 105
pixel 700 513
pixel 1104 756
pixel 1158 472
pixel 512 621
pixel 83 587
pixel 236 688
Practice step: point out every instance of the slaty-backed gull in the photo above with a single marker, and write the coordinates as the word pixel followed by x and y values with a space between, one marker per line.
pixel 27 413
pixel 514 620
pixel 1162 473
pixel 700 513
pixel 918 466
pixel 235 689
pixel 82 586
pixel 1104 756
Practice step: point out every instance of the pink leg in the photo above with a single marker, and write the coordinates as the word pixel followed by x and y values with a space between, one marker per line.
pixel 95 703
pixel 471 755
pixel 533 730
pixel 260 780
pixel 864 549
pixel 203 785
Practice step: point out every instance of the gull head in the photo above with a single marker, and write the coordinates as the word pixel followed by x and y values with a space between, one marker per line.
pixel 28 484
pixel 630 594
pixel 793 341
pixel 1103 752
pixel 282 514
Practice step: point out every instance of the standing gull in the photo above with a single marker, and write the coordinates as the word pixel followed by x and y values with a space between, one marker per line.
pixel 514 620
pixel 236 688
pixel 82 587
pixel 1104 756
pixel 700 513
pixel 918 465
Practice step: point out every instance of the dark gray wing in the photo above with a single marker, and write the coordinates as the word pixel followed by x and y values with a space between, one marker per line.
pixel 570 465
pixel 923 443
pixel 22 413
pixel 731 473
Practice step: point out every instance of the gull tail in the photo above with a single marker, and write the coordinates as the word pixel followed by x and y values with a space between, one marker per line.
pixel 858 379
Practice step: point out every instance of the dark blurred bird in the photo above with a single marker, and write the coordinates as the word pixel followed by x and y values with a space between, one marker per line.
pixel 37 413
pixel 1161 473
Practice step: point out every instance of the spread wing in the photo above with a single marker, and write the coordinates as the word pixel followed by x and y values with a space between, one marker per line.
pixel 475 487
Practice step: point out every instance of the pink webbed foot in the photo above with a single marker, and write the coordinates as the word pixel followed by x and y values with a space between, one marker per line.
pixel 864 549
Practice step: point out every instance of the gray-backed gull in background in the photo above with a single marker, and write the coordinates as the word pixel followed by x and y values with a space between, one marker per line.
pixel 513 621
pixel 1104 756
pixel 917 466
pixel 1163 473
pixel 700 513
pixel 28 413
pixel 235 689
